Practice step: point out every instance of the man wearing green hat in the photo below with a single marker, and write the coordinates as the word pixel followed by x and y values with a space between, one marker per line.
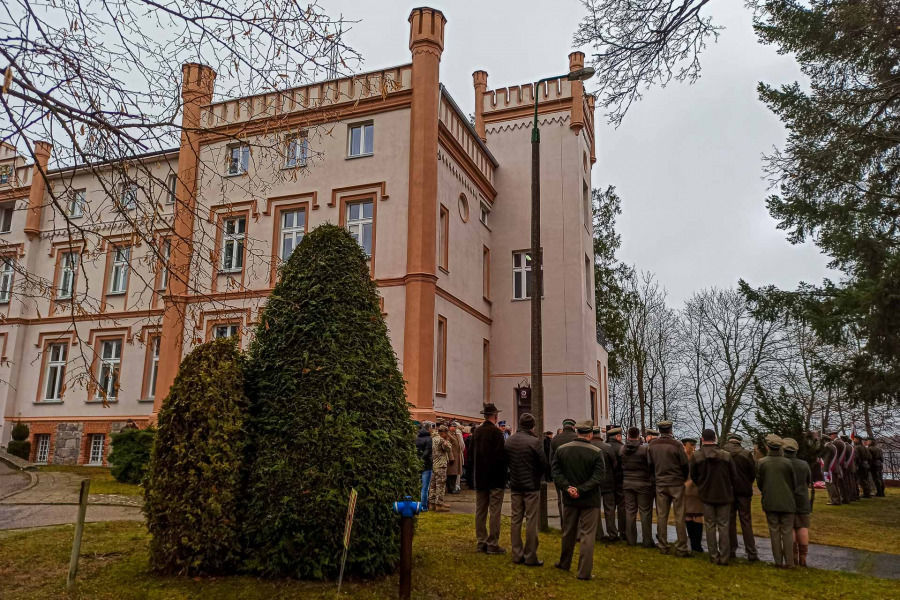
pixel 614 439
pixel 777 483
pixel 670 467
pixel 607 488
pixel 803 482
pixel 578 469
pixel 563 437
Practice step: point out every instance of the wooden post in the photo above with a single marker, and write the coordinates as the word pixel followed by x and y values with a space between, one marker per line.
pixel 79 529
pixel 406 538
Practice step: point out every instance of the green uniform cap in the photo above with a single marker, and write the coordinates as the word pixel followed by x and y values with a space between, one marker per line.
pixel 773 441
pixel 584 426
pixel 689 440
pixel 790 444
pixel 652 432
pixel 570 422
pixel 613 431
pixel 735 437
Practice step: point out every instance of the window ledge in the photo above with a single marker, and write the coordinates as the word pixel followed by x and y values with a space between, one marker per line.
pixel 238 174
pixel 116 293
pixel 230 271
pixel 148 400
pixel 441 394
pixel 293 167
pixel 352 156
pixel 525 299
pixel 100 401
pixel 47 402
pixel 444 270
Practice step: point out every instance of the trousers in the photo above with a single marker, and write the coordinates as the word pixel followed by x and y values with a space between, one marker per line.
pixel 715 518
pixel 525 507
pixel 781 528
pixel 741 508
pixel 438 487
pixel 670 496
pixel 487 531
pixel 579 524
pixel 639 502
pixel 609 514
pixel 426 487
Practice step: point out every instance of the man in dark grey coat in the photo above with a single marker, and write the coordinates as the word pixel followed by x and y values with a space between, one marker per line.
pixel 490 480
pixel 614 439
pixel 712 471
pixel 577 469
pixel 777 483
pixel 638 489
pixel 527 468
pixel 744 476
pixel 607 487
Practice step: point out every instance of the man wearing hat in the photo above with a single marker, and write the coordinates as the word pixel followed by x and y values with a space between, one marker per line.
pixel 863 465
pixel 803 482
pixel 670 467
pixel 614 439
pixel 777 483
pixel 877 466
pixel 607 487
pixel 833 473
pixel 490 481
pixel 693 505
pixel 440 455
pixel 527 469
pixel 563 437
pixel 577 469
pixel 713 473
pixel 744 476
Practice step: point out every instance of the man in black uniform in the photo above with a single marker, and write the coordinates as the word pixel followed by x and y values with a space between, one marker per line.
pixel 577 469
pixel 607 487
pixel 614 439
pixel 563 437
pixel 877 466
pixel 863 464
pixel 638 489
pixel 745 474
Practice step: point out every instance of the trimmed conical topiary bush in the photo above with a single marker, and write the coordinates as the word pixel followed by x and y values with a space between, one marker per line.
pixel 329 414
pixel 193 490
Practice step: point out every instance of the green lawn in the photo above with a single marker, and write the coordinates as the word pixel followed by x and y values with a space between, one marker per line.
pixel 872 524
pixel 102 481
pixel 33 564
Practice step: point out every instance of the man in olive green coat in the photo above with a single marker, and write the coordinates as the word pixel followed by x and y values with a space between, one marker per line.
pixel 563 437
pixel 670 468
pixel 577 470
pixel 607 488
pixel 777 482
pixel 803 481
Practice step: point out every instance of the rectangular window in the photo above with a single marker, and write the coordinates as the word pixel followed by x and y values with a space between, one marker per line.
pixel 56 371
pixel 154 367
pixel 110 365
pixel 98 440
pixel 42 442
pixel 6 215
pixel 234 235
pixel 485 214
pixel 587 206
pixel 440 376
pixel 164 268
pixel 225 331
pixel 359 221
pixel 7 269
pixel 485 272
pixel 128 200
pixel 238 159
pixel 5 173
pixel 68 265
pixel 593 400
pixel 297 152
pixel 171 186
pixel 118 277
pixel 293 227
pixel 75 205
pixel 361 139
pixel 523 282
pixel 588 288
pixel 444 239
pixel 486 370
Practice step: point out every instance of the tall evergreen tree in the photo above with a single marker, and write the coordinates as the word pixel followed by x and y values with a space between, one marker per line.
pixel 782 415
pixel 839 177
pixel 329 414
pixel 610 277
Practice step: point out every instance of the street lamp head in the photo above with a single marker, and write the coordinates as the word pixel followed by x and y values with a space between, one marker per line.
pixel 581 74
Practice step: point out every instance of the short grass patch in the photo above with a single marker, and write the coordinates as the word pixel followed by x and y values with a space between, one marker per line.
pixel 102 481
pixel 114 563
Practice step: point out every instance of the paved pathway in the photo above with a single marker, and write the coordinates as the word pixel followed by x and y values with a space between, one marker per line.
pixel 53 500
pixel 832 558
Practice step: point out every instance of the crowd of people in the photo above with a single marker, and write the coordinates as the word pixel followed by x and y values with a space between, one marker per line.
pixel 606 485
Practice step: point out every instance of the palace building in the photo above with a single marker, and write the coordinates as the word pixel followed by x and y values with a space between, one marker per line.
pixel 440 205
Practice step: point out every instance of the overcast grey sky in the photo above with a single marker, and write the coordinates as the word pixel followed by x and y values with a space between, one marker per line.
pixel 687 159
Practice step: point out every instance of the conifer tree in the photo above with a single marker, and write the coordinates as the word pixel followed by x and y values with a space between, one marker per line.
pixel 193 492
pixel 329 414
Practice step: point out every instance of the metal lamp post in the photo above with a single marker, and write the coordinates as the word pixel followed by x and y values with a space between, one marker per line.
pixel 537 367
